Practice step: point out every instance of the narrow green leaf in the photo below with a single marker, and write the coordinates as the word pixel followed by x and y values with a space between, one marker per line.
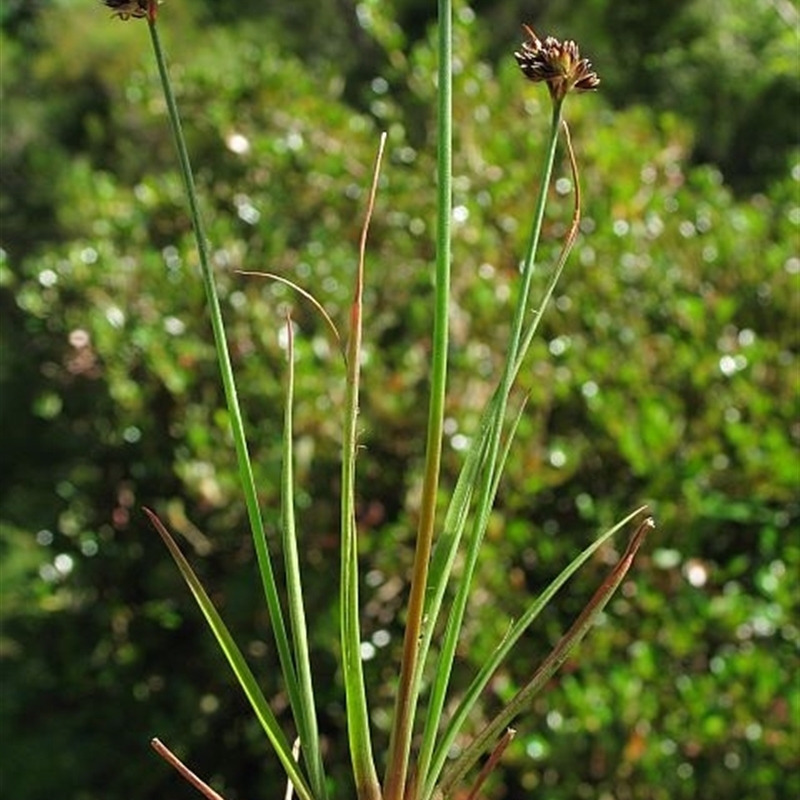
pixel 229 385
pixel 491 427
pixel 454 774
pixel 238 664
pixel 477 686
pixel 306 718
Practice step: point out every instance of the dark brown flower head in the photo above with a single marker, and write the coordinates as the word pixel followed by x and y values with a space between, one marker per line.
pixel 559 64
pixel 125 9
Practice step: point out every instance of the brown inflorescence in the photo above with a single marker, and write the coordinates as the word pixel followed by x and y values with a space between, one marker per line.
pixel 558 64
pixel 125 9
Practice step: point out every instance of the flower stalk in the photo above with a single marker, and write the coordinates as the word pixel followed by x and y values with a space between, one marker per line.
pixel 410 672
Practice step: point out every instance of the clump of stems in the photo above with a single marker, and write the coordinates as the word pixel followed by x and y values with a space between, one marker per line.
pixel 560 66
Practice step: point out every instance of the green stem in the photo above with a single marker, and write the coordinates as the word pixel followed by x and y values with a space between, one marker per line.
pixel 488 480
pixel 529 260
pixel 307 721
pixel 409 680
pixel 226 370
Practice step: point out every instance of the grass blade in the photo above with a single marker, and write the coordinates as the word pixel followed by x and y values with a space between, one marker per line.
pixel 306 717
pixel 454 774
pixel 480 456
pixel 238 664
pixel 477 686
pixel 229 384
pixel 491 462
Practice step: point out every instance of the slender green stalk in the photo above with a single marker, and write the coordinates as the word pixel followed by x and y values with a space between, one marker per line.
pixel 529 259
pixel 409 680
pixel 455 521
pixel 307 719
pixel 489 476
pixel 443 558
pixel 566 249
pixel 231 396
pixel 364 772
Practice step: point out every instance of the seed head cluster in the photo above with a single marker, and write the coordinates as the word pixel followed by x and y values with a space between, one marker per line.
pixel 558 64
pixel 125 9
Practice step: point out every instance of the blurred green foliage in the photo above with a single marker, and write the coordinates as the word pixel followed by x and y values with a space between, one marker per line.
pixel 666 373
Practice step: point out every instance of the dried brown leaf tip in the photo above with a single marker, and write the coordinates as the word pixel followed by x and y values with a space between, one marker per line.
pixel 559 64
pixel 125 9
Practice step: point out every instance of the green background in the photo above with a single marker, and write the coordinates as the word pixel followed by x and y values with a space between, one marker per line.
pixel 666 373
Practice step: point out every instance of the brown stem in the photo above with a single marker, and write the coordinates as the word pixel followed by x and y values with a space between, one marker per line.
pixel 494 760
pixel 185 772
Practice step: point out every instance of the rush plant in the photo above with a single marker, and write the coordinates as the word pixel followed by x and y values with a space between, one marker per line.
pixel 417 765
